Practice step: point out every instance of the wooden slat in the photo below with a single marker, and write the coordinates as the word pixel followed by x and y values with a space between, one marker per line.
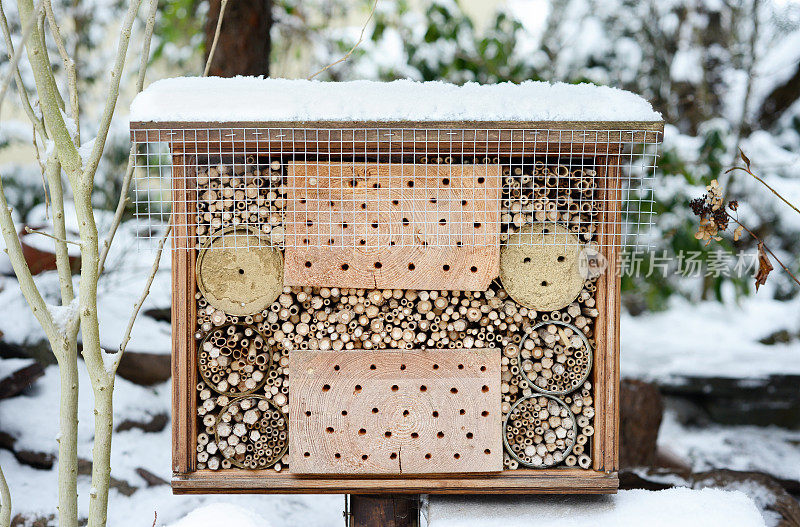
pixel 395 412
pixel 183 317
pixel 652 126
pixel 553 481
pixel 605 442
pixel 435 138
pixel 611 306
pixel 392 226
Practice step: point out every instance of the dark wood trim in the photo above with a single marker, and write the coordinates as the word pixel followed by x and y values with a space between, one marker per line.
pixel 554 481
pixel 650 126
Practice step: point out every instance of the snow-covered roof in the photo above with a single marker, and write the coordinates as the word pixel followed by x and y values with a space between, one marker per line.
pixel 255 99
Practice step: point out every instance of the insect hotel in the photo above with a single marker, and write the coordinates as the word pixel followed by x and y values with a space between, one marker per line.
pixel 394 287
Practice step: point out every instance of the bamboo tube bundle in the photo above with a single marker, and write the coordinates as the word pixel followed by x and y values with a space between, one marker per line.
pixel 250 432
pixel 539 431
pixel 581 404
pixel 250 194
pixel 556 357
pixel 549 193
pixel 234 359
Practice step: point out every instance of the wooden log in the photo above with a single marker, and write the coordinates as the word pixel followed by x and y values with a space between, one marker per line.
pixel 19 379
pixel 383 511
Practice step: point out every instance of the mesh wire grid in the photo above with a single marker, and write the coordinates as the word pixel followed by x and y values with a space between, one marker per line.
pixel 379 187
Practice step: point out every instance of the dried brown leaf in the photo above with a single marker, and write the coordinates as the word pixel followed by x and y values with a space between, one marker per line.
pixel 764 266
pixel 744 158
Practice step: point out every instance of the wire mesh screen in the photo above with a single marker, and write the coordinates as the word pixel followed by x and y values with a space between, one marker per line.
pixel 376 188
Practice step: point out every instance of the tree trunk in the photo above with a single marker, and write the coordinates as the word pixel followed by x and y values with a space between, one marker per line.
pixel 68 437
pixel 641 410
pixel 779 100
pixel 384 511
pixel 244 45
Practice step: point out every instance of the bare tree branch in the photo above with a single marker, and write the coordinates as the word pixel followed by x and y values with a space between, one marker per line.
pixel 51 236
pixel 26 284
pixel 69 67
pixel 360 39
pixel 126 180
pixel 138 306
pixel 112 94
pixel 27 30
pixel 5 501
pixel 23 92
pixel 223 4
pixel 49 96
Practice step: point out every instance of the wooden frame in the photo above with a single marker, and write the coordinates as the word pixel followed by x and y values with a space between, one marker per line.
pixel 602 478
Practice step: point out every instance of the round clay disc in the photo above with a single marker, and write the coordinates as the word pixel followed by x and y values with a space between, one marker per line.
pixel 539 267
pixel 238 273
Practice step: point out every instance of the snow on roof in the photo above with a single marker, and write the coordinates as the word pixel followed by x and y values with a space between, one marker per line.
pixel 255 99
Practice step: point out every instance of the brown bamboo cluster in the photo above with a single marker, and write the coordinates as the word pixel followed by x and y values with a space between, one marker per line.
pixel 555 358
pixel 543 193
pixel 241 194
pixel 249 432
pixel 234 359
pixel 540 432
pixel 581 404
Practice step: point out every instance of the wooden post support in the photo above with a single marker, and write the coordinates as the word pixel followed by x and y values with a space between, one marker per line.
pixel 384 510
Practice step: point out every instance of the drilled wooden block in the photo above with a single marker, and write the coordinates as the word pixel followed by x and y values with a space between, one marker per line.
pixel 395 412
pixel 392 226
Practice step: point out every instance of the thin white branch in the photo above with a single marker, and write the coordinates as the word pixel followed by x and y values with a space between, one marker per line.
pixel 146 39
pixel 23 92
pixel 56 238
pixel 213 49
pixel 5 501
pixel 49 97
pixel 42 171
pixel 360 39
pixel 69 67
pixel 138 306
pixel 27 31
pixel 53 173
pixel 26 284
pixel 126 180
pixel 112 94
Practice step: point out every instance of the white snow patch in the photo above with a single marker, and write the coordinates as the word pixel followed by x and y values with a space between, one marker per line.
pixel 63 315
pixel 687 66
pixel 85 151
pixel 196 99
pixel 629 508
pixel 710 339
pixel 216 514
pixel 770 449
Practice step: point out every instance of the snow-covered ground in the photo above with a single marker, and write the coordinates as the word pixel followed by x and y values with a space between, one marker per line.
pixel 629 508
pixel 711 339
pixel 773 450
